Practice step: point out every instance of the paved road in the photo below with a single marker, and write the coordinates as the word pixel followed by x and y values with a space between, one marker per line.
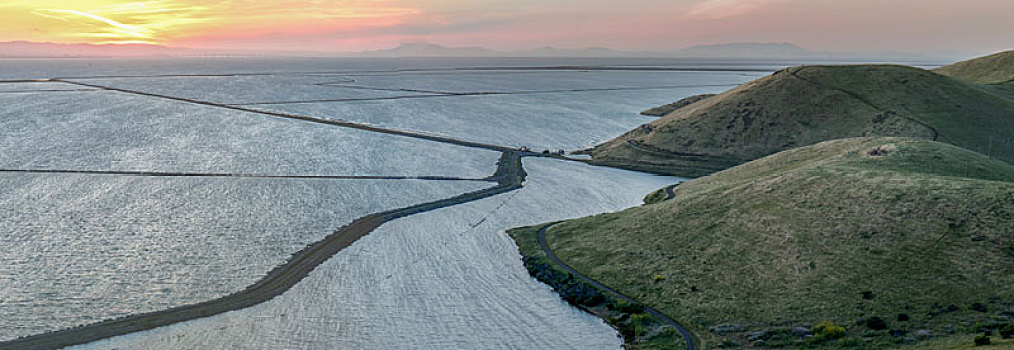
pixel 688 336
pixel 509 177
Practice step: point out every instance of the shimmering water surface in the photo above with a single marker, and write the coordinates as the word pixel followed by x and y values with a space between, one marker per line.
pixel 82 247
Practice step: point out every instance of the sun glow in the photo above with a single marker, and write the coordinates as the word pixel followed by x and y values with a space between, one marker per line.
pixel 169 21
pixel 642 25
pixel 115 30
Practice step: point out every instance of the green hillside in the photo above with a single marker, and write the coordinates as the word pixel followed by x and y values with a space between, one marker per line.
pixel 993 69
pixel 801 106
pixel 843 230
pixel 672 107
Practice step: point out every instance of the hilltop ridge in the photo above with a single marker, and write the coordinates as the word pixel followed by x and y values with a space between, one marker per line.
pixel 804 105
pixel 997 68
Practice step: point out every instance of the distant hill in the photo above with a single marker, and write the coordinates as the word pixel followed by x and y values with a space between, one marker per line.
pixel 434 50
pixel 431 50
pixel 582 52
pixel 753 50
pixel 993 69
pixel 672 107
pixel 913 232
pixel 801 106
pixel 725 51
pixel 32 49
pixel 736 50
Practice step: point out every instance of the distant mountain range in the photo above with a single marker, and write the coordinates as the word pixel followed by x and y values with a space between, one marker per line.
pixel 729 50
pixel 434 50
pixel 34 49
pixel 734 50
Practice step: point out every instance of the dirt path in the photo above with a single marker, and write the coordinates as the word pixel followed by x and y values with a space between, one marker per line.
pixel 239 175
pixel 688 336
pixel 509 177
pixel 334 122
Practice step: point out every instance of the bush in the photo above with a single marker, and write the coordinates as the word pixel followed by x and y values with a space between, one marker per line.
pixel 981 340
pixel 876 323
pixel 656 197
pixel 849 342
pixel 569 288
pixel 634 327
pixel 627 307
pixel 827 330
pixel 1006 331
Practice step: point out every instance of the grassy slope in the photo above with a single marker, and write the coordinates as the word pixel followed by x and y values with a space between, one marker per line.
pixel 962 342
pixel 995 72
pixel 669 108
pixel 804 105
pixel 993 69
pixel 797 236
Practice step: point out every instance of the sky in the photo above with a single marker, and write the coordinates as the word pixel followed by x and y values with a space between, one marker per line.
pixel 978 26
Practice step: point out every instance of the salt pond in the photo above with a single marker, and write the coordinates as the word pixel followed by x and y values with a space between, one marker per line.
pixel 83 248
pixel 105 130
pixel 79 248
pixel 444 279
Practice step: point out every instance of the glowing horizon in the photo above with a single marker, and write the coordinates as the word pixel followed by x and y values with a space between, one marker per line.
pixel 350 25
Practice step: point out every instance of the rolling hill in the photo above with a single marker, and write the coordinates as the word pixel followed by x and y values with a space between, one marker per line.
pixel 994 71
pixel 911 232
pixel 805 105
pixel 672 107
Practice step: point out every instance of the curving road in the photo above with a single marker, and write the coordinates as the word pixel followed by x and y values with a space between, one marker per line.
pixel 688 336
pixel 509 177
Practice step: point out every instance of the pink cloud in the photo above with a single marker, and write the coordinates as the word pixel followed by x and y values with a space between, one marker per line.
pixel 717 9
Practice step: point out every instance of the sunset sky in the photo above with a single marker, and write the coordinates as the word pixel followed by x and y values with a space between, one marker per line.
pixel 353 25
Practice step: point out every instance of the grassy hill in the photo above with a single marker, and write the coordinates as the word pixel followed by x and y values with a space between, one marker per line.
pixel 801 106
pixel 994 71
pixel 844 230
pixel 672 107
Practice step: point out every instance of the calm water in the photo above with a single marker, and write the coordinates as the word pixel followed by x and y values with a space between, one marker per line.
pixel 78 248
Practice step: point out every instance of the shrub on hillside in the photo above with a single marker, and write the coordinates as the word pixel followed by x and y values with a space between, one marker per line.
pixel 876 323
pixel 1006 331
pixel 827 330
pixel 626 307
pixel 981 340
pixel 570 289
